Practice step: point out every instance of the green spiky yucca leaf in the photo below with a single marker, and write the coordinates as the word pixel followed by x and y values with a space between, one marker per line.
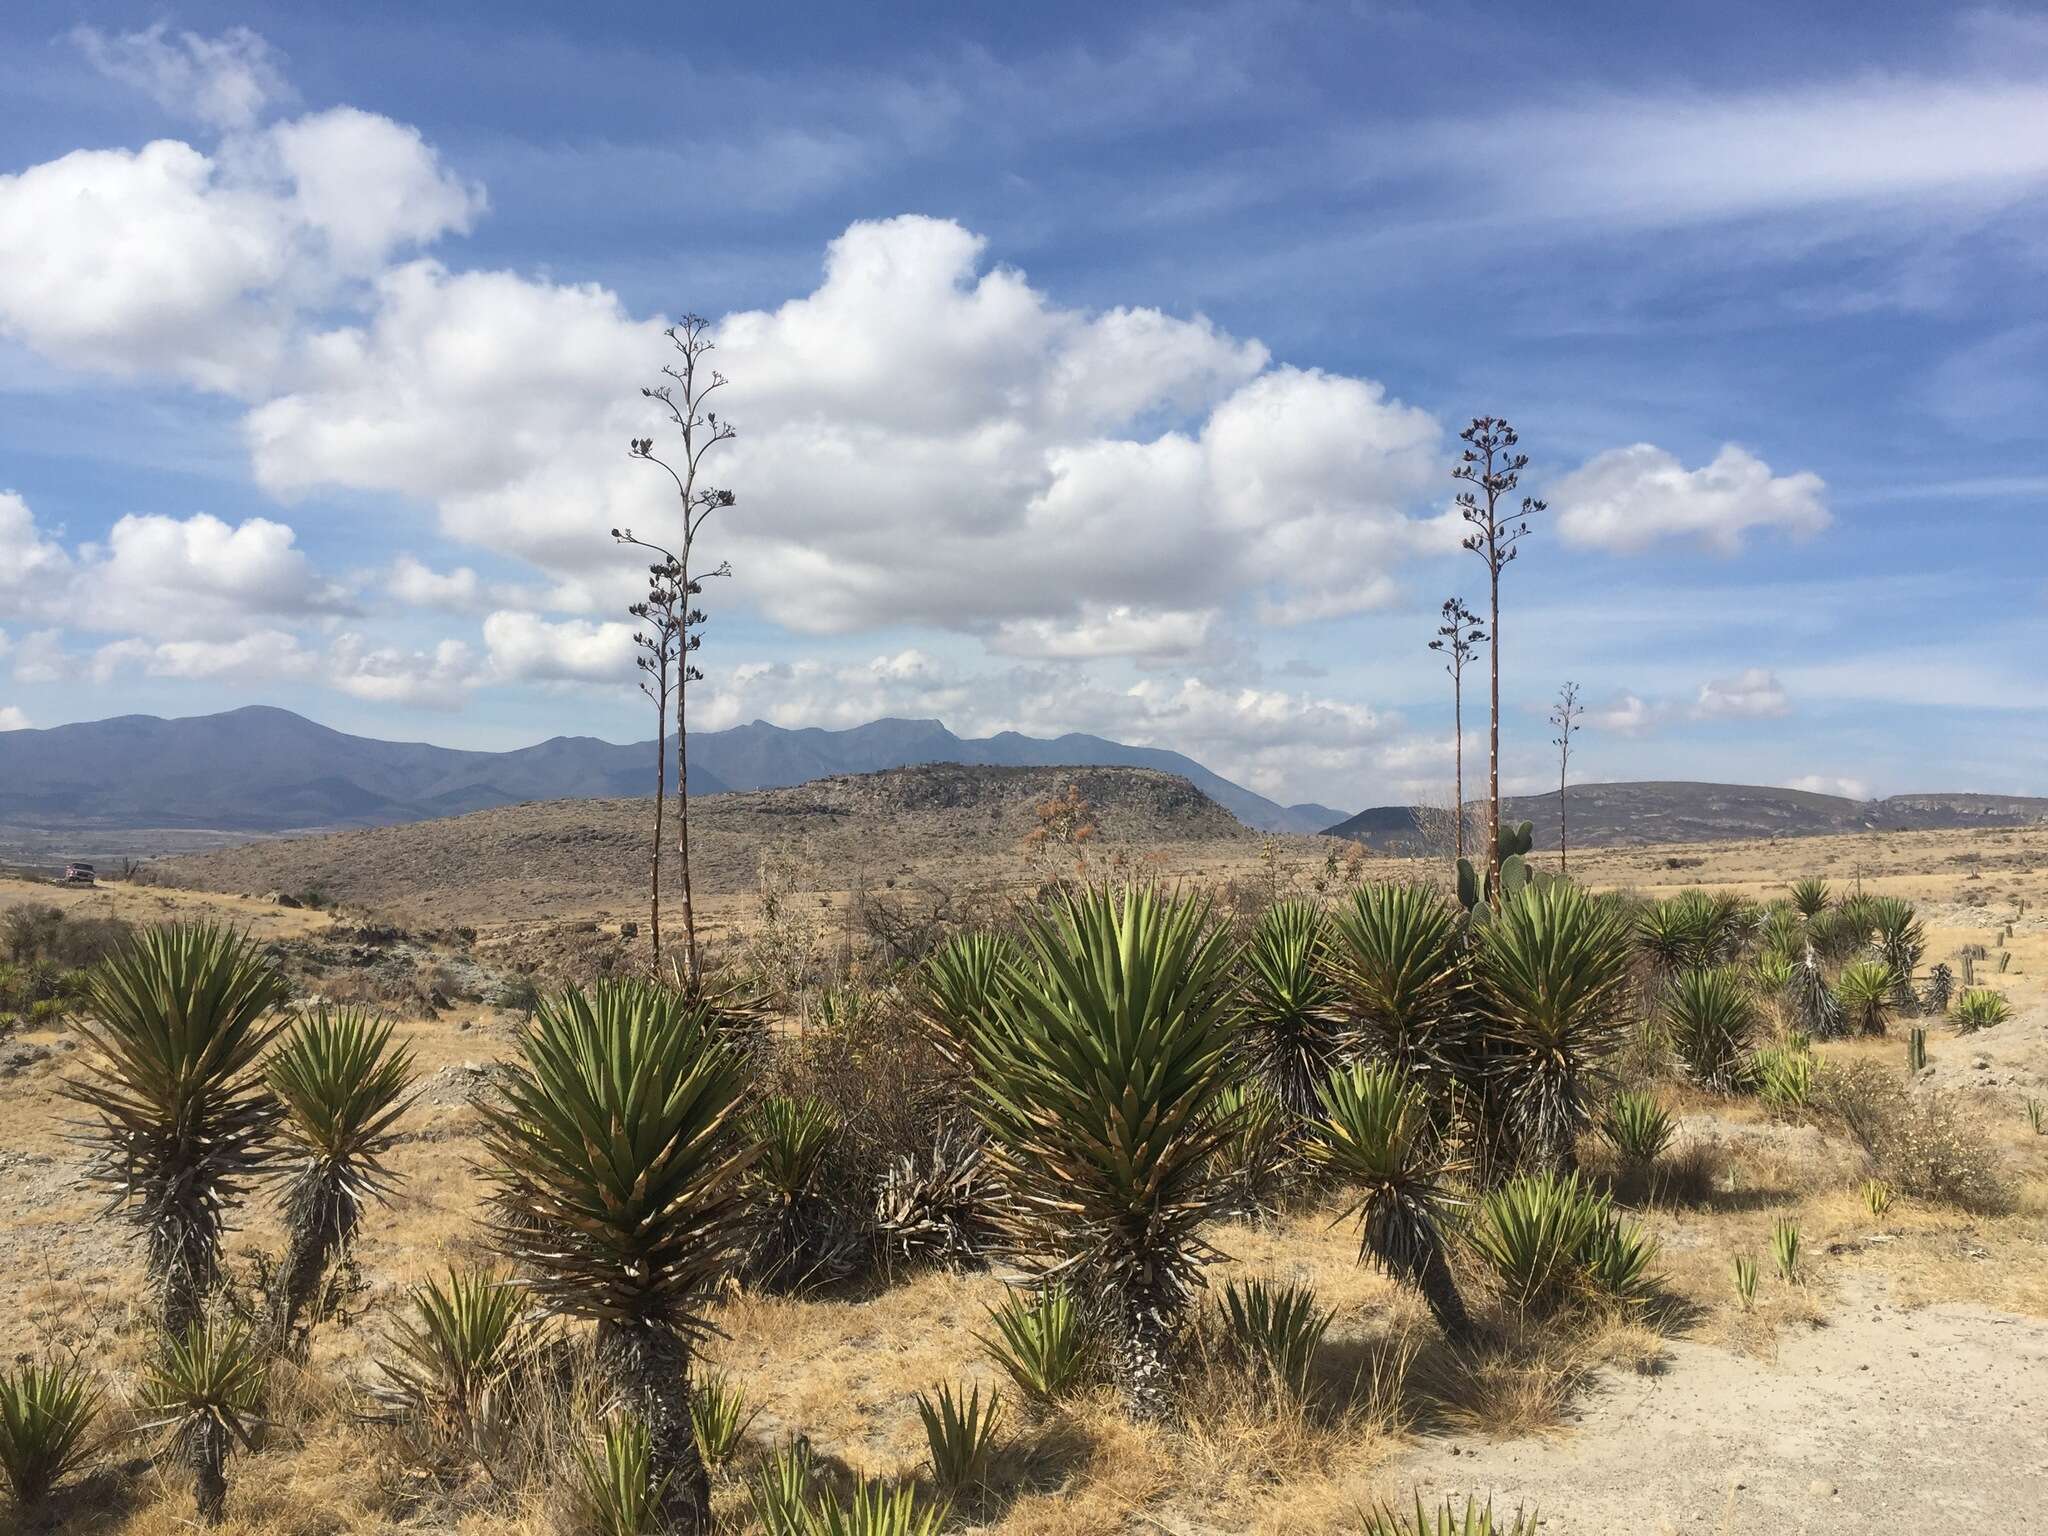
pixel 780 1491
pixel 720 1417
pixel 1901 942
pixel 1637 1127
pixel 1096 1076
pixel 206 1385
pixel 1979 1008
pixel 1394 952
pixel 178 1020
pixel 1865 991
pixel 1534 1232
pixel 621 1493
pixel 876 1508
pixel 1712 1024
pixel 1044 1343
pixel 1477 1520
pixel 1552 973
pixel 1811 897
pixel 960 1431
pixel 958 979
pixel 616 1174
pixel 343 1087
pixel 1254 1157
pixel 1276 1329
pixel 1292 1033
pixel 447 1365
pixel 1375 1133
pixel 46 1415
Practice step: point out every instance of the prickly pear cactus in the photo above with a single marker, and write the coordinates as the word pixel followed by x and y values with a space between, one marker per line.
pixel 1468 885
pixel 1514 876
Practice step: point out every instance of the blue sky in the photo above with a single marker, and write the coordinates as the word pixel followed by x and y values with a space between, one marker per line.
pixel 1096 368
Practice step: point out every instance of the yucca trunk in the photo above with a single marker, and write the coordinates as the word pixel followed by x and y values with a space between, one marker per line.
pixel 321 1221
pixel 1142 1359
pixel 206 1453
pixel 648 1369
pixel 1439 1288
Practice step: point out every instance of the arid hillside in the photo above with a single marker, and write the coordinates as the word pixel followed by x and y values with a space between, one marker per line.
pixel 575 856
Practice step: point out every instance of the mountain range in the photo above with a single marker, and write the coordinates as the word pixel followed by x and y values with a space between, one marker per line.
pixel 262 771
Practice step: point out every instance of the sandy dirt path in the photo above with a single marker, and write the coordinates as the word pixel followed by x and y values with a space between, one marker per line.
pixel 1884 1418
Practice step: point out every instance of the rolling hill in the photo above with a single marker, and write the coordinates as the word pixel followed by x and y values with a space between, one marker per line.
pixel 260 771
pixel 1674 811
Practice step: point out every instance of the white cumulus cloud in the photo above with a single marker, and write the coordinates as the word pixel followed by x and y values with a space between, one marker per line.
pixel 1628 499
pixel 226 82
pixel 1752 694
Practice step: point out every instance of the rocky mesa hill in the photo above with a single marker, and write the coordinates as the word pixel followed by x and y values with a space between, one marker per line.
pixel 557 856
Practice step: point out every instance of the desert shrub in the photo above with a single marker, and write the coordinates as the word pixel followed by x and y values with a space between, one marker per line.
pixel 1617 1261
pixel 1814 1008
pixel 1044 1343
pixel 46 1416
pixel 1711 1022
pixel 1901 941
pixel 960 1433
pixel 1920 1141
pixel 876 1508
pixel 1979 1008
pixel 29 931
pixel 1840 932
pixel 780 1491
pixel 1275 1331
pixel 941 1206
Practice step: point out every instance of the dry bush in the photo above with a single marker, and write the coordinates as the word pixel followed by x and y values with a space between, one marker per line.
pixel 1920 1141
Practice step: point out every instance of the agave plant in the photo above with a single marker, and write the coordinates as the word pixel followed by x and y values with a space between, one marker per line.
pixel 1394 952
pixel 1276 1329
pixel 1096 1075
pixel 1980 1008
pixel 1044 1343
pixel 1712 1025
pixel 1535 1231
pixel 794 1236
pixel 960 1431
pixel 1865 992
pixel 621 1492
pixel 343 1088
pixel 448 1364
pixel 940 1209
pixel 206 1387
pixel 1376 1134
pixel 1293 1033
pixel 617 1177
pixel 1552 972
pixel 1637 1127
pixel 46 1414
pixel 1477 1520
pixel 179 1020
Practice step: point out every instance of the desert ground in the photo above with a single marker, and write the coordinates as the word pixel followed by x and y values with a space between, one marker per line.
pixel 1901 1383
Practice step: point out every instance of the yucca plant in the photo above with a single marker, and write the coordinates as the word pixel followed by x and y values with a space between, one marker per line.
pixel 1979 1008
pixel 46 1416
pixel 1784 1076
pixel 178 1020
pixel 205 1386
pixel 1254 1154
pixel 1745 1281
pixel 958 978
pixel 448 1364
pixel 1676 935
pixel 1394 954
pixel 1617 1260
pixel 720 1418
pixel 941 1208
pixel 1293 1032
pixel 1815 1008
pixel 344 1088
pixel 1476 1520
pixel 621 1491
pixel 1901 941
pixel 1276 1330
pixel 1534 1232
pixel 616 1165
pixel 1785 1248
pixel 1811 896
pixel 1375 1133
pixel 780 1491
pixel 1865 992
pixel 1877 1198
pixel 876 1508
pixel 1843 931
pixel 960 1431
pixel 794 1237
pixel 1711 1023
pixel 1637 1127
pixel 1096 1075
pixel 1044 1343
pixel 1781 926
pixel 1552 974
